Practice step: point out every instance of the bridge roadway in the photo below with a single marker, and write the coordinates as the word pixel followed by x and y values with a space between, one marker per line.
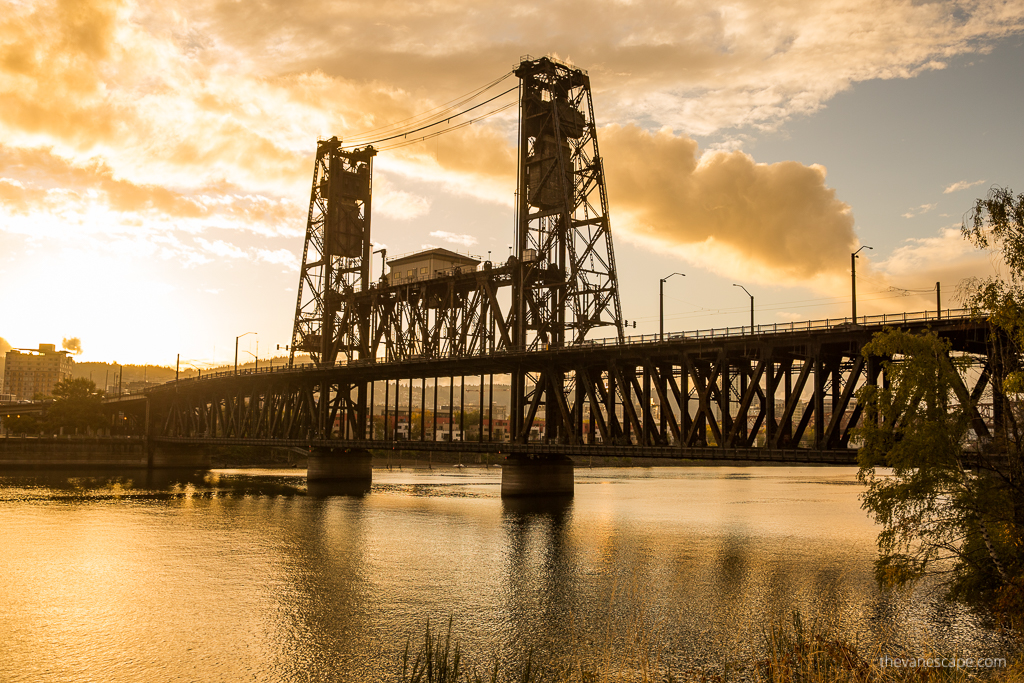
pixel 782 393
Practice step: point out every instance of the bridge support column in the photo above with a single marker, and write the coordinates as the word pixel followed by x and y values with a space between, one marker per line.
pixel 339 464
pixel 169 456
pixel 524 476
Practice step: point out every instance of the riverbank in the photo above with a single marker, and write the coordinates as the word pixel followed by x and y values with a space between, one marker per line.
pixel 794 651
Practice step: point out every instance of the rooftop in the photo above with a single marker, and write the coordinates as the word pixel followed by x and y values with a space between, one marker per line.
pixel 438 252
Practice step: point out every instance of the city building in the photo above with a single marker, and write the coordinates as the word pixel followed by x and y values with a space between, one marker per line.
pixel 28 372
pixel 425 265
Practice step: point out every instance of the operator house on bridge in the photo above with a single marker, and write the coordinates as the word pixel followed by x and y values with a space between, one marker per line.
pixel 424 265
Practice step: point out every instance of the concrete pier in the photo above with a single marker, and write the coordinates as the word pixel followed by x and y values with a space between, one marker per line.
pixel 523 476
pixel 339 465
pixel 179 456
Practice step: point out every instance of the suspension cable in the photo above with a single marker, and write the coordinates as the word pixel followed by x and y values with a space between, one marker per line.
pixel 443 111
pixel 440 121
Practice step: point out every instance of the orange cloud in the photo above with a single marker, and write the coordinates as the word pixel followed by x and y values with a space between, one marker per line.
pixel 49 183
pixel 724 211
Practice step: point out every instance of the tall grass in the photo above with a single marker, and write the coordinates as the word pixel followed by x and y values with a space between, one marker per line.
pixel 794 652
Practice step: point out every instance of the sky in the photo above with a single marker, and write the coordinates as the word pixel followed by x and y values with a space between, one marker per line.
pixel 156 157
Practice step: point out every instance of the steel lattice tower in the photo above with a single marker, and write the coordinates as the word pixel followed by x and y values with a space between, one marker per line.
pixel 567 285
pixel 329 321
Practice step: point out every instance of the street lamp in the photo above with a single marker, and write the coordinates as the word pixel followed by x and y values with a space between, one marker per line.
pixel 751 306
pixel 661 305
pixel 853 281
pixel 195 366
pixel 236 348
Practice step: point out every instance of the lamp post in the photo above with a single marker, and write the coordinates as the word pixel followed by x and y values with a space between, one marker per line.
pixel 853 281
pixel 236 348
pixel 195 366
pixel 751 306
pixel 661 305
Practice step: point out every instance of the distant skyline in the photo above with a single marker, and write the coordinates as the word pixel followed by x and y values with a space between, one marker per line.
pixel 155 158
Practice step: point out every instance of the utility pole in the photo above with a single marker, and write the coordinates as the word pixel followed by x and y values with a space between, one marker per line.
pixel 938 301
pixel 853 281
pixel 661 305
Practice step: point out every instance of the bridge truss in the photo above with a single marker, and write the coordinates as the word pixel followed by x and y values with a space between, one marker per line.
pixel 394 361
pixel 788 397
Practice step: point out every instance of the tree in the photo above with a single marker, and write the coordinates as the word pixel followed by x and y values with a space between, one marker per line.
pixel 952 508
pixel 77 407
pixel 21 424
pixel 996 223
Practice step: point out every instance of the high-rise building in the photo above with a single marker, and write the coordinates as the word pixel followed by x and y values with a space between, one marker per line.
pixel 28 372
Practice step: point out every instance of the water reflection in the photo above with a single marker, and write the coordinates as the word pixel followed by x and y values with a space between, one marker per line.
pixel 541 572
pixel 143 483
pixel 327 489
pixel 229 575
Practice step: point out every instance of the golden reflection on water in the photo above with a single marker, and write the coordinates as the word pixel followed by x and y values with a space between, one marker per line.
pixel 232 575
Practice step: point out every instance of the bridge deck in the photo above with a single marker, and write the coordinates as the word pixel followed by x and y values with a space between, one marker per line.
pixel 785 455
pixel 777 393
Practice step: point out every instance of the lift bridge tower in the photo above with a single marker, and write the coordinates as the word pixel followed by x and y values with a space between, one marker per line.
pixel 567 286
pixel 330 320
pixel 564 288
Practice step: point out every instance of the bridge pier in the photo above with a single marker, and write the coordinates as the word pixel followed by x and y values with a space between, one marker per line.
pixel 339 465
pixel 181 456
pixel 525 476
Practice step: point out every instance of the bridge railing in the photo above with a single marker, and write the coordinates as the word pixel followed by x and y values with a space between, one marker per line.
pixel 795 326
pixel 709 333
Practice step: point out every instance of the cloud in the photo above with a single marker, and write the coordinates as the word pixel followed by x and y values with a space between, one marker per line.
pixel 946 253
pixel 917 211
pixel 73 344
pixel 188 91
pixel 961 185
pixel 282 257
pixel 453 238
pixel 699 66
pixel 129 128
pixel 47 183
pixel 724 211
pixel 221 249
pixel 397 204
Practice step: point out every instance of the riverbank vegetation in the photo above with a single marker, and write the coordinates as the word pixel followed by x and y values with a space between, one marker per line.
pixel 76 408
pixel 792 651
pixel 951 506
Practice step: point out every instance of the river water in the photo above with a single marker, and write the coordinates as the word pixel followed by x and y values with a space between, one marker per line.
pixel 235 575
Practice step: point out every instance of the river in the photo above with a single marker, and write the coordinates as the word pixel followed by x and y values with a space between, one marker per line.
pixel 234 575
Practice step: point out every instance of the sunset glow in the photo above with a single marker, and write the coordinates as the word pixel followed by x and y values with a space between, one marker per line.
pixel 155 158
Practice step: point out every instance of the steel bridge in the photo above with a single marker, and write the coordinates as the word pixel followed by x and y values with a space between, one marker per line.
pixel 780 393
pixel 528 357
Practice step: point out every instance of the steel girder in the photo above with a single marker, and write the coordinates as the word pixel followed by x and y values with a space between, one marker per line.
pixel 563 228
pixel 793 391
pixel 335 256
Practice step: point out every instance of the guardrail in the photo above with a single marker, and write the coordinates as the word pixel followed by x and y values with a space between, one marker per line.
pixel 710 333
pixel 796 326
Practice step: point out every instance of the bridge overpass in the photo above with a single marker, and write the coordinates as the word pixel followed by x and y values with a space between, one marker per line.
pixel 393 358
pixel 777 393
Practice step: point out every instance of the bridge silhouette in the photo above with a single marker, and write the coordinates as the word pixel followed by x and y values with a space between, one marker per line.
pixel 384 353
